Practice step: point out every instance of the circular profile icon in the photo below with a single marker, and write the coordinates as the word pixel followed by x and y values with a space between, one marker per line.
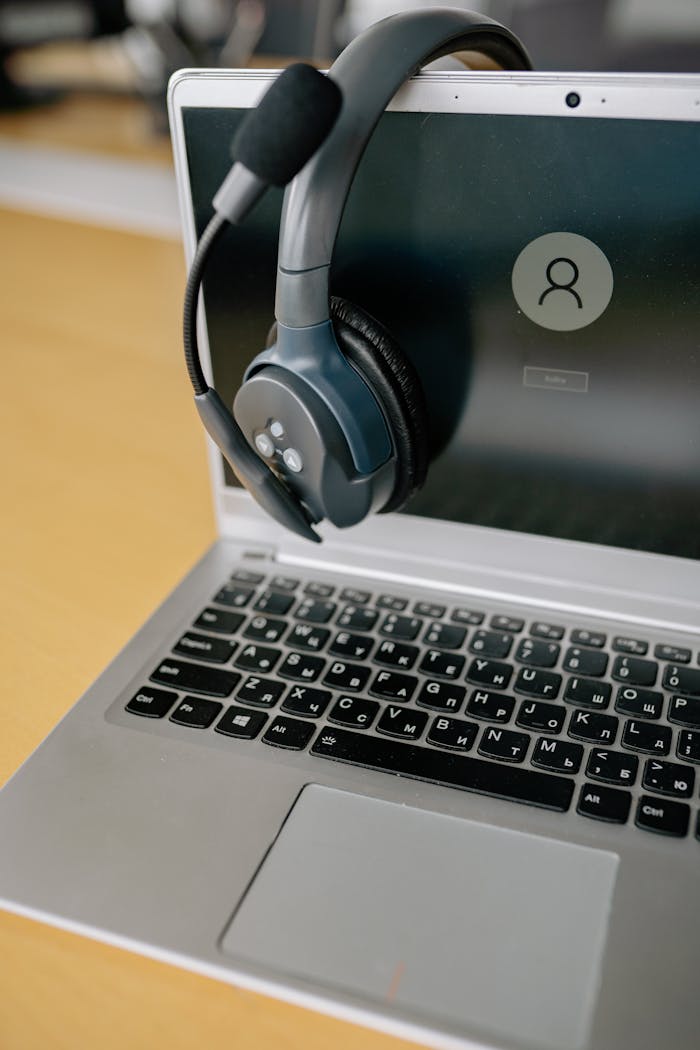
pixel 562 281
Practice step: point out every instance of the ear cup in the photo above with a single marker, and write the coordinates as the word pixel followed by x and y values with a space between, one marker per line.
pixel 394 381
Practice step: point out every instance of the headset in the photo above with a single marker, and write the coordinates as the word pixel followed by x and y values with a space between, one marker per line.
pixel 330 421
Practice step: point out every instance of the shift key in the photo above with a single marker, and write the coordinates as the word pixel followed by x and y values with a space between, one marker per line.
pixel 193 678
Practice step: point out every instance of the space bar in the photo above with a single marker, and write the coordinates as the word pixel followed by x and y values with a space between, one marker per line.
pixel 439 767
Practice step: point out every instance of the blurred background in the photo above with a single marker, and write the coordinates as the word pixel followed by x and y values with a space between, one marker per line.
pixel 56 46
pixel 91 76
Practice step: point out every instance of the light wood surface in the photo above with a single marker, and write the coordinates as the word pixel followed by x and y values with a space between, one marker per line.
pixel 105 504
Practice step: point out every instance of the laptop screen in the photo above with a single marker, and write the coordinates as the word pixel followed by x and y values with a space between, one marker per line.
pixel 543 275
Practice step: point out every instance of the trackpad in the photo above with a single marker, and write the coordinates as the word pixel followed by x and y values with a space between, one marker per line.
pixel 487 930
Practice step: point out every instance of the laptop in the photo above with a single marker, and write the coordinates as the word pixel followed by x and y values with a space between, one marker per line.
pixel 437 775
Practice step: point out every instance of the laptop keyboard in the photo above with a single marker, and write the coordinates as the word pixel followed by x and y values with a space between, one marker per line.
pixel 493 703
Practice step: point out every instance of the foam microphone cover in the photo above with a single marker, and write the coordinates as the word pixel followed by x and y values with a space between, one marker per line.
pixel 290 123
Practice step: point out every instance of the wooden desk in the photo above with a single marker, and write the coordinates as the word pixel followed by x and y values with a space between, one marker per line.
pixel 105 504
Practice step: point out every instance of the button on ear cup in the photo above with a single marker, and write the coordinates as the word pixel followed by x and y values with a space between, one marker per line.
pixel 394 381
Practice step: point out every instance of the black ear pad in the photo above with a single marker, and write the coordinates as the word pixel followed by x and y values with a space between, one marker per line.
pixel 394 381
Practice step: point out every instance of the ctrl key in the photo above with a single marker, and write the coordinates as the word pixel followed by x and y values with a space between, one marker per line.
pixel 152 703
pixel 662 816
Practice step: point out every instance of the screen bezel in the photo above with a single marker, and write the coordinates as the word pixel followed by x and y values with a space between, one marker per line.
pixel 610 96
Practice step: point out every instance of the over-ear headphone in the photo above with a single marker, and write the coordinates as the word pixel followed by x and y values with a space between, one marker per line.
pixel 330 421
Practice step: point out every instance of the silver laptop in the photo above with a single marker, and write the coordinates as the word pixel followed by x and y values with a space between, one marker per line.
pixel 439 774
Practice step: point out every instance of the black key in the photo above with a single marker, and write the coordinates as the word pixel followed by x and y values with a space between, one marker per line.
pixel 669 778
pixel 450 770
pixel 233 595
pixel 354 711
pixel 445 635
pixel 491 643
pixel 673 653
pixel 558 755
pixel 682 680
pixel 238 722
pixel 201 647
pixel 315 610
pixel 396 654
pixel 584 692
pixel 685 711
pixel 306 701
pixel 302 667
pixel 537 653
pixel 641 703
pixel 307 636
pixel 546 718
pixel 647 737
pixel 195 713
pixel 151 703
pixel 585 661
pixel 507 623
pixel 492 707
pixel 604 804
pixel 593 727
pixel 612 767
pixel 441 696
pixel 533 682
pixel 662 816
pixel 442 664
pixel 453 733
pixel 467 616
pixel 393 686
pixel 634 671
pixel 284 583
pixel 246 576
pixel 341 675
pixel 405 628
pixel 264 692
pixel 319 590
pixel 358 618
pixel 275 603
pixel 688 746
pixel 351 594
pixel 290 733
pixel 194 678
pixel 552 631
pixel 489 672
pixel 430 609
pixel 504 744
pixel 265 629
pixel 595 639
pixel 403 722
pixel 219 620
pixel 352 646
pixel 633 646
pixel 257 657
pixel 391 602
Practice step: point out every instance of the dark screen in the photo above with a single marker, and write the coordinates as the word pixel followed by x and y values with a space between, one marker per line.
pixel 590 433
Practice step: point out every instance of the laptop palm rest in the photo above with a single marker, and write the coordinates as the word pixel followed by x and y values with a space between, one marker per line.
pixel 354 889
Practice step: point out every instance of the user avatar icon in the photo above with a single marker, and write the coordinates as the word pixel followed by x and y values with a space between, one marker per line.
pixel 562 281
pixel 561 286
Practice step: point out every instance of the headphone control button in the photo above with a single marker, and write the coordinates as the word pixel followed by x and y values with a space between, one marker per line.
pixel 276 428
pixel 292 460
pixel 264 444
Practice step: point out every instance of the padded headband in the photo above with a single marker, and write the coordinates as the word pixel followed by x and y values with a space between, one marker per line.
pixel 369 72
